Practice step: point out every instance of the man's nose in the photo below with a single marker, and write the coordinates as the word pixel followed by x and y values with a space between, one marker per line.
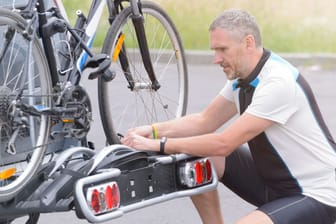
pixel 217 59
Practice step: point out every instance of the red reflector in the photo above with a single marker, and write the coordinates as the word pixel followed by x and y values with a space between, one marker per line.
pixel 199 173
pixel 95 204
pixel 115 195
pixel 208 170
pixel 109 197
pixel 195 173
pixel 104 197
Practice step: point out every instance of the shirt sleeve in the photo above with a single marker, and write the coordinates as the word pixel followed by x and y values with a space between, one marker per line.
pixel 227 91
pixel 275 99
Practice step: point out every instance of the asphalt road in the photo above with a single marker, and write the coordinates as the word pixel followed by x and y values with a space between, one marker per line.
pixel 205 82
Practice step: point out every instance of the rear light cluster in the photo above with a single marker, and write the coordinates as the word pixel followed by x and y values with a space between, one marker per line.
pixel 103 198
pixel 195 173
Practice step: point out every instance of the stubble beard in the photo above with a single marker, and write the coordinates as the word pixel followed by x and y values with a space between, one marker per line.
pixel 232 75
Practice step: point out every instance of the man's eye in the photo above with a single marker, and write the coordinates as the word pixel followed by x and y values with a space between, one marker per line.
pixel 223 50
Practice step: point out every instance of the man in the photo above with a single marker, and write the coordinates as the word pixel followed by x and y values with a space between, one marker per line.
pixel 288 169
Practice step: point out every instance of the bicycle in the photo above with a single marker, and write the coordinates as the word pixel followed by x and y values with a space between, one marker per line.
pixel 45 113
pixel 53 92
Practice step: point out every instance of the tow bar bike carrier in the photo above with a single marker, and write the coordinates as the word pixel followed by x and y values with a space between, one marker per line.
pixel 110 183
pixel 162 179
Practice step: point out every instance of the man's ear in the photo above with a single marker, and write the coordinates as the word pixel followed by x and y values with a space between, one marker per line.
pixel 249 41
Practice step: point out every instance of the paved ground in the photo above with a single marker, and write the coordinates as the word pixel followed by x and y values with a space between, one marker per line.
pixel 205 82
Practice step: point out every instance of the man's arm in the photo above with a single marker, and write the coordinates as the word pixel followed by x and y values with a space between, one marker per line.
pixel 215 115
pixel 220 144
pixel 193 134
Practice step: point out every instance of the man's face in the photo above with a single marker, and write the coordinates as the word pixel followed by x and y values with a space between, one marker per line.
pixel 229 53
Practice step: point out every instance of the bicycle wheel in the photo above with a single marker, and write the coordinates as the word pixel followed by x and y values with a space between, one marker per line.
pixel 122 107
pixel 24 83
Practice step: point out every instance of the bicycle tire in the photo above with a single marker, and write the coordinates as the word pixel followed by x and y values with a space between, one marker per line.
pixel 122 108
pixel 24 77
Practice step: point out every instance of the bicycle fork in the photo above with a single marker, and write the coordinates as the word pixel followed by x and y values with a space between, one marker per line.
pixel 138 23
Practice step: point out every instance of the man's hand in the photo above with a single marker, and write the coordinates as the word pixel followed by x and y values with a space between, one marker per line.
pixel 136 141
pixel 144 131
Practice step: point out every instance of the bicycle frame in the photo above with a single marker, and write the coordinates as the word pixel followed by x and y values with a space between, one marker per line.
pixel 86 41
pixel 95 14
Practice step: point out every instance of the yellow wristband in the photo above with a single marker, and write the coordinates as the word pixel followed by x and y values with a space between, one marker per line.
pixel 154 131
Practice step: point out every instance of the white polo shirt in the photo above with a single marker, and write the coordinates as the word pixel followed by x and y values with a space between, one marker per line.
pixel 302 151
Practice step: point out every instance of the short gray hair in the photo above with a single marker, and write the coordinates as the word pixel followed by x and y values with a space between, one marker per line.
pixel 240 23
